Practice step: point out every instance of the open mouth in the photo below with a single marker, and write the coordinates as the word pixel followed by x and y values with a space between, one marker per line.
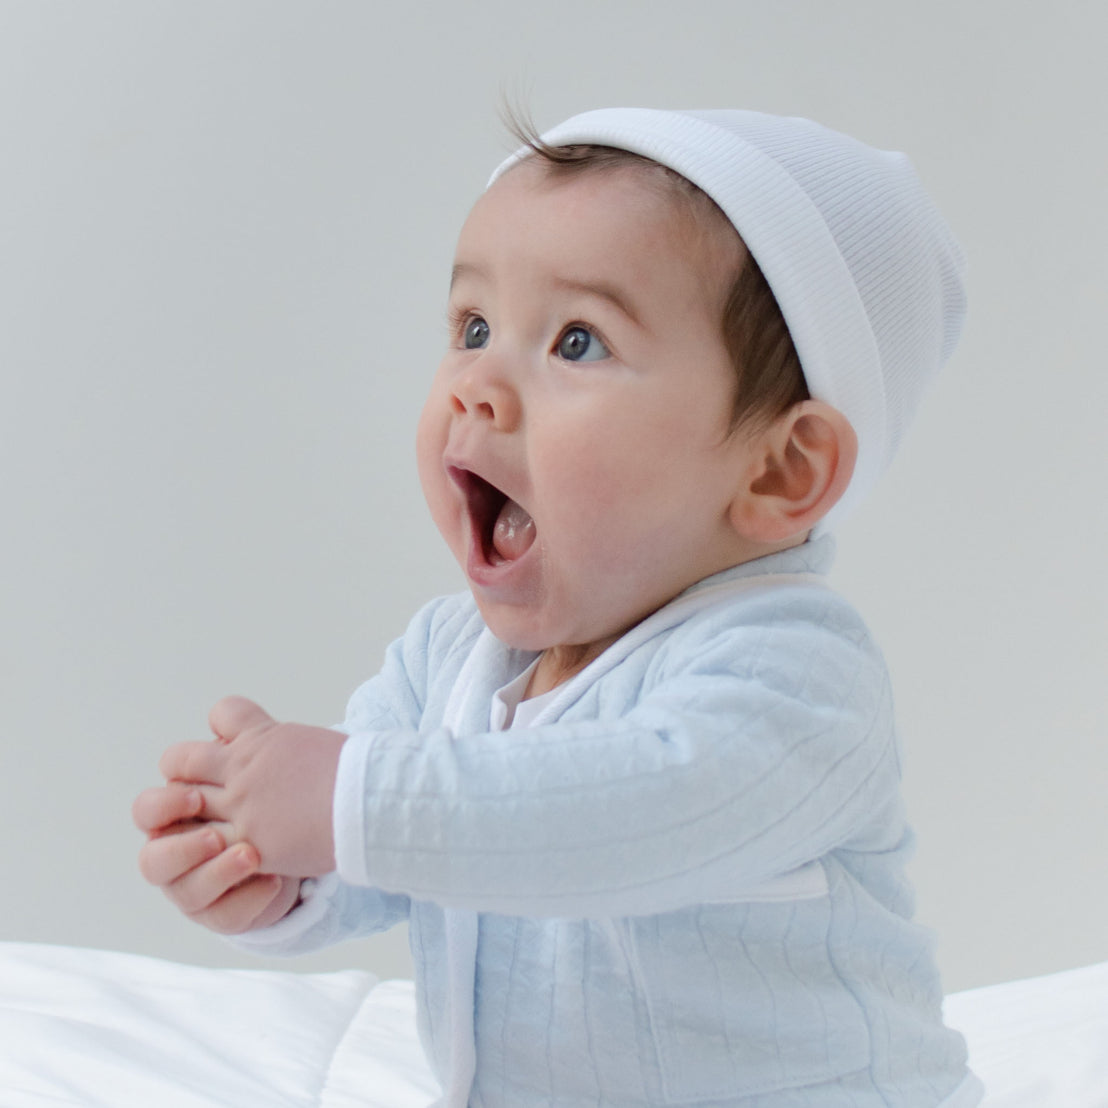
pixel 503 529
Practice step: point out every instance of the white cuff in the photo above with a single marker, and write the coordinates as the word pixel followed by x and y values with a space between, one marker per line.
pixel 315 898
pixel 348 813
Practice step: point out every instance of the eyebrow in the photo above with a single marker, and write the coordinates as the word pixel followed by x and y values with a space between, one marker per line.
pixel 602 290
pixel 463 269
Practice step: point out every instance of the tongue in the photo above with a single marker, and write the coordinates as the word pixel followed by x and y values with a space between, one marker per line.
pixel 513 532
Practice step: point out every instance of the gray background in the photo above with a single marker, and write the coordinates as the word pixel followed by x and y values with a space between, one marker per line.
pixel 225 233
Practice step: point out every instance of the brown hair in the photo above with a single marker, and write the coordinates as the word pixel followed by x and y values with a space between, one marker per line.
pixel 769 379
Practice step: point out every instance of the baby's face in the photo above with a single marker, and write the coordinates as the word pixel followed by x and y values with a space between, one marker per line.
pixel 574 449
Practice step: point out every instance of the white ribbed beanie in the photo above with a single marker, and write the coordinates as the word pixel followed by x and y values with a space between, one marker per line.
pixel 867 273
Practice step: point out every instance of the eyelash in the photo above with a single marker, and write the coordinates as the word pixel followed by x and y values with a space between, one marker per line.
pixel 457 319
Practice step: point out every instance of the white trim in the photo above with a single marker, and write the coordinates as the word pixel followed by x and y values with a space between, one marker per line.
pixel 675 612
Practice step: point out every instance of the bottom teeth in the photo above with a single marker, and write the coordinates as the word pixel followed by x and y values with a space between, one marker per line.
pixel 513 532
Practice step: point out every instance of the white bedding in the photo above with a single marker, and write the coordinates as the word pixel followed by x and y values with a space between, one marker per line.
pixel 104 1030
pixel 1039 1043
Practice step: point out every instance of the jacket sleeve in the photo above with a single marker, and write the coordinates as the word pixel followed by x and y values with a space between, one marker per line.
pixel 331 909
pixel 754 748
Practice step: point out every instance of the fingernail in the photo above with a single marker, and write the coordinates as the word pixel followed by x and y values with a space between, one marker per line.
pixel 193 801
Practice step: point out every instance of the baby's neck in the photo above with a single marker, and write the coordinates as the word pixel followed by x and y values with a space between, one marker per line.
pixel 558 664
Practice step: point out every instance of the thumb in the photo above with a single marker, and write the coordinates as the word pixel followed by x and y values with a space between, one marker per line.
pixel 234 714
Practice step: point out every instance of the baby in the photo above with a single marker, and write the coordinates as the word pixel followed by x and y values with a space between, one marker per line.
pixel 637 792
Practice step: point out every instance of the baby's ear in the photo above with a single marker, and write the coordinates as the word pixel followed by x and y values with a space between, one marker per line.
pixel 798 468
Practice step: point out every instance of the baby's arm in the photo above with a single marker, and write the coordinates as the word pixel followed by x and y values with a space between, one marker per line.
pixel 758 739
pixel 215 884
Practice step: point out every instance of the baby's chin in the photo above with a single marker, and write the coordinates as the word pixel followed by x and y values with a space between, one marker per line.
pixel 512 626
pixel 516 630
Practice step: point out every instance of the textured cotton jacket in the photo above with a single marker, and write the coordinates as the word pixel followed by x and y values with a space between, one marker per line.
pixel 682 884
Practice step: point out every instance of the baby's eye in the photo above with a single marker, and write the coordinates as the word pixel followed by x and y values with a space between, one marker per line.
pixel 579 344
pixel 476 334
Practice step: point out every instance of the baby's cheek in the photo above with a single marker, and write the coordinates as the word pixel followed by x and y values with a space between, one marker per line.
pixel 430 442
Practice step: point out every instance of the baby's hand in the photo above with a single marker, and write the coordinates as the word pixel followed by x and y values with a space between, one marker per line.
pixel 272 783
pixel 215 884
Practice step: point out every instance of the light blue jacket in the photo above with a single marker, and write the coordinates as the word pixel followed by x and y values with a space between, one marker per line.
pixel 684 884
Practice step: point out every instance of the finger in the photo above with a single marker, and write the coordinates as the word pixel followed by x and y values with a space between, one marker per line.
pixel 200 762
pixel 234 714
pixel 166 859
pixel 154 809
pixel 198 889
pixel 213 803
pixel 286 898
pixel 222 826
pixel 239 908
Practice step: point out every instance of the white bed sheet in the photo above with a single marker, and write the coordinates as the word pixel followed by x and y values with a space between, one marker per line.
pixel 1040 1042
pixel 106 1030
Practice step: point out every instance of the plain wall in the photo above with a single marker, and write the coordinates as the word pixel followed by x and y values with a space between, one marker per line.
pixel 225 236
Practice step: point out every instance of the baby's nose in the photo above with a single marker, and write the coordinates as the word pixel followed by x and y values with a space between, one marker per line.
pixel 487 396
